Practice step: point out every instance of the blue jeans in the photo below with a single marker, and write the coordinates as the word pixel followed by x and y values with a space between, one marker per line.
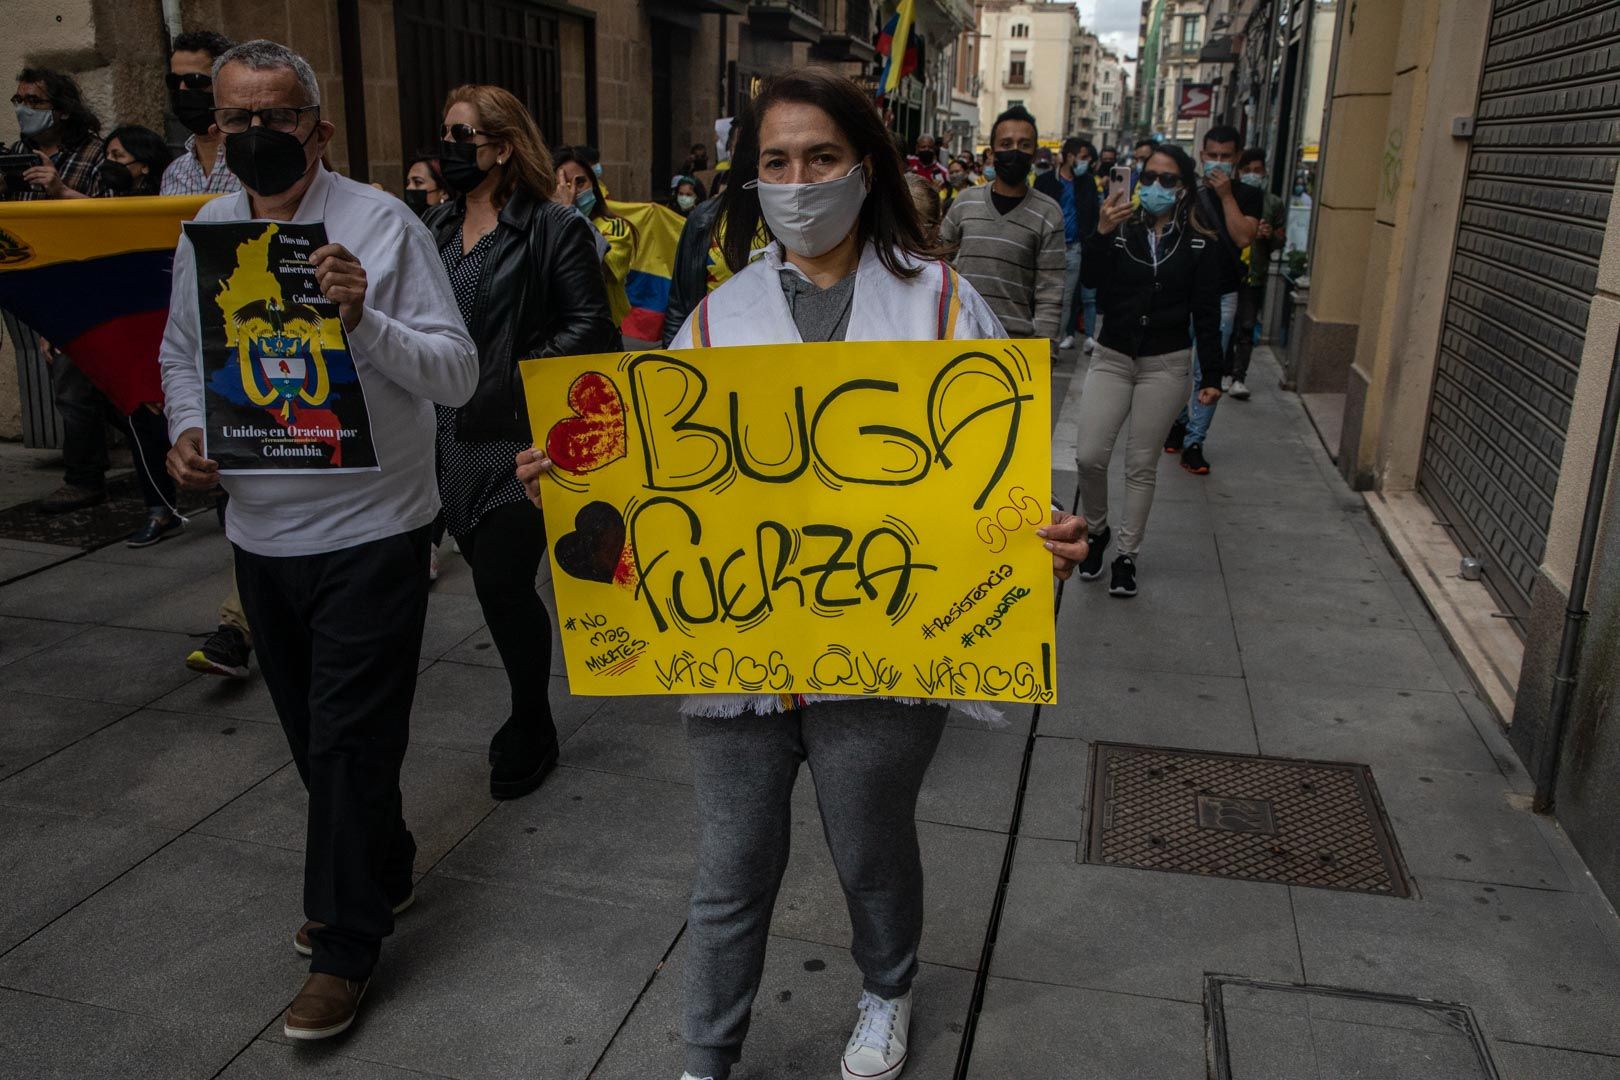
pixel 1196 415
pixel 1076 294
pixel 1071 287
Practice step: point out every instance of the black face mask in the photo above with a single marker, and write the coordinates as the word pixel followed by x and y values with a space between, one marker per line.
pixel 116 177
pixel 459 163
pixel 267 162
pixel 925 156
pixel 194 109
pixel 1012 166
pixel 416 199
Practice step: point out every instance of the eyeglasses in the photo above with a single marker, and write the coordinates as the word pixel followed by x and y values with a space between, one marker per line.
pixel 191 80
pixel 233 121
pixel 1167 180
pixel 461 133
pixel 31 101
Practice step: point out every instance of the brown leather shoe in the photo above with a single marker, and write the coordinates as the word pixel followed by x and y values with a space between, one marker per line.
pixel 304 947
pixel 326 1006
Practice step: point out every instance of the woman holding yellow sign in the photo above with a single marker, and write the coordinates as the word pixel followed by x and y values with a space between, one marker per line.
pixel 849 262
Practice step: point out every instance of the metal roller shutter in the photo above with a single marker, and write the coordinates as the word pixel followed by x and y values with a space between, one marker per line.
pixel 1540 175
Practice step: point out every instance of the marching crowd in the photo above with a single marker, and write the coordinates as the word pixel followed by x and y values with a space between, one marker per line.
pixel 814 226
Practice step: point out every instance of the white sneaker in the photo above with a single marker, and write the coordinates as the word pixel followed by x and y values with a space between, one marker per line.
pixel 1067 342
pixel 433 562
pixel 1091 343
pixel 1238 390
pixel 1226 384
pixel 689 1076
pixel 877 1048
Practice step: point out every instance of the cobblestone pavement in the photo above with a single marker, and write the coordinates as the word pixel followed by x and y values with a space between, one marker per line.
pixel 152 827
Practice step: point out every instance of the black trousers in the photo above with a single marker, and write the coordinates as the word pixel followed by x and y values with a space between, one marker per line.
pixel 338 635
pixel 1250 299
pixel 85 412
pixel 504 551
pixel 149 445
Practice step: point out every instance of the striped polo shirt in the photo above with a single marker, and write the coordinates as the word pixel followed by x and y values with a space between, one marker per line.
pixel 1015 260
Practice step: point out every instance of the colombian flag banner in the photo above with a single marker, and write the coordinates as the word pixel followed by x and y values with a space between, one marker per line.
pixel 902 61
pixel 92 277
pixel 642 238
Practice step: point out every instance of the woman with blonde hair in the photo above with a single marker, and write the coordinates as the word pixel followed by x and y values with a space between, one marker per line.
pixel 526 276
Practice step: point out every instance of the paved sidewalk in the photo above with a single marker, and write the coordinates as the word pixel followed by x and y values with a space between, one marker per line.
pixel 151 827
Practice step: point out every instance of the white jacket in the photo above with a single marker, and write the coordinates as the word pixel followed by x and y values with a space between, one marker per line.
pixel 750 309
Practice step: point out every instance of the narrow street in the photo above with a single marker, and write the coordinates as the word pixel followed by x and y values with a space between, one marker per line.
pixel 150 861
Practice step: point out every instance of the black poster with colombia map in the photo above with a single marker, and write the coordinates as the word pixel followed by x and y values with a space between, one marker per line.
pixel 280 389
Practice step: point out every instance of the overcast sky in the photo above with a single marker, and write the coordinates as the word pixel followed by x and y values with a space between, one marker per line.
pixel 1114 21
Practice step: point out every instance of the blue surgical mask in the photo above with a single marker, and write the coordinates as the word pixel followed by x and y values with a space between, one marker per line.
pixel 1155 199
pixel 1213 167
pixel 989 172
pixel 585 202
pixel 31 122
pixel 1081 167
pixel 1254 180
pixel 597 168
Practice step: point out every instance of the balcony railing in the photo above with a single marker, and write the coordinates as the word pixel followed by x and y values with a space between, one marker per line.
pixel 790 20
pixel 1011 77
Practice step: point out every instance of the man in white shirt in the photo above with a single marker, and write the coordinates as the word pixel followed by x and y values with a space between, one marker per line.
pixel 332 568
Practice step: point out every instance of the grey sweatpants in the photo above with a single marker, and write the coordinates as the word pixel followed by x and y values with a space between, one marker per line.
pixel 1149 391
pixel 868 759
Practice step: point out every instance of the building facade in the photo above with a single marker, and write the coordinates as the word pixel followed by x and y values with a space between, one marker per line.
pixel 1467 256
pixel 1111 95
pixel 1083 85
pixel 1026 49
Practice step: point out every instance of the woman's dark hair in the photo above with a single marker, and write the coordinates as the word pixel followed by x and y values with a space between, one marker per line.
pixel 431 160
pixel 888 218
pixel 79 123
pixel 562 155
pixel 1187 212
pixel 697 187
pixel 147 147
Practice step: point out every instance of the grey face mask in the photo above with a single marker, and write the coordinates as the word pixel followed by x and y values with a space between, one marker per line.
pixel 33 121
pixel 812 219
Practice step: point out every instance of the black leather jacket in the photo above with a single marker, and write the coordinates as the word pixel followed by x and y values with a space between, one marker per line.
pixel 1148 303
pixel 540 293
pixel 690 281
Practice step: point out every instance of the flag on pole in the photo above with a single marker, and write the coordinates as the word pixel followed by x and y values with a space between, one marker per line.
pixel 92 276
pixel 899 28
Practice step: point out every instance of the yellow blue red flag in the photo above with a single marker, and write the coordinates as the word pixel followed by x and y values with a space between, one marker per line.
pixel 642 238
pixel 902 61
pixel 92 277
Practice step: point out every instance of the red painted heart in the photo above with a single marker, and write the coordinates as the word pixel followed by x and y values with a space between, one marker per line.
pixel 594 435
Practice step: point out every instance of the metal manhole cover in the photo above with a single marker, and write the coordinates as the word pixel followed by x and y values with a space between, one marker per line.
pixel 1313 823
pixel 93 527
pixel 1262 1030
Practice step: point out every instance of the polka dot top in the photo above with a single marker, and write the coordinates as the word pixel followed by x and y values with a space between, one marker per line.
pixel 475 477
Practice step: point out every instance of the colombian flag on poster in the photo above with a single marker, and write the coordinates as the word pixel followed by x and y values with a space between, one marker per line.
pixel 898 28
pixel 92 277
pixel 642 238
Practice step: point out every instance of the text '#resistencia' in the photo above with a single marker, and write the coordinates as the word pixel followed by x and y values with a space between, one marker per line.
pixel 969 599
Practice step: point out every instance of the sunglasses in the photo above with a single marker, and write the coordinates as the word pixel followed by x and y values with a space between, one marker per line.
pixel 191 80
pixel 1167 180
pixel 235 121
pixel 461 133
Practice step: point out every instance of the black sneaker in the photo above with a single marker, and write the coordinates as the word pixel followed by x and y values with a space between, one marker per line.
pixel 1091 568
pixel 1124 580
pixel 1173 441
pixel 1192 459
pixel 72 497
pixel 159 524
pixel 225 653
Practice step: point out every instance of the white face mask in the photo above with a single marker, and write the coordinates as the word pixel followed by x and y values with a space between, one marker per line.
pixel 812 219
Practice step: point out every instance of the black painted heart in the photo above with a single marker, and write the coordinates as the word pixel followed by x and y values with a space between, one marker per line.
pixel 592 551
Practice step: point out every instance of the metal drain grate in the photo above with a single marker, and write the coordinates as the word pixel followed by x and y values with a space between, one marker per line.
pixel 1262 1030
pixel 1313 823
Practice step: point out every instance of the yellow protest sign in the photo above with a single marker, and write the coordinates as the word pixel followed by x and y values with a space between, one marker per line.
pixel 839 518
